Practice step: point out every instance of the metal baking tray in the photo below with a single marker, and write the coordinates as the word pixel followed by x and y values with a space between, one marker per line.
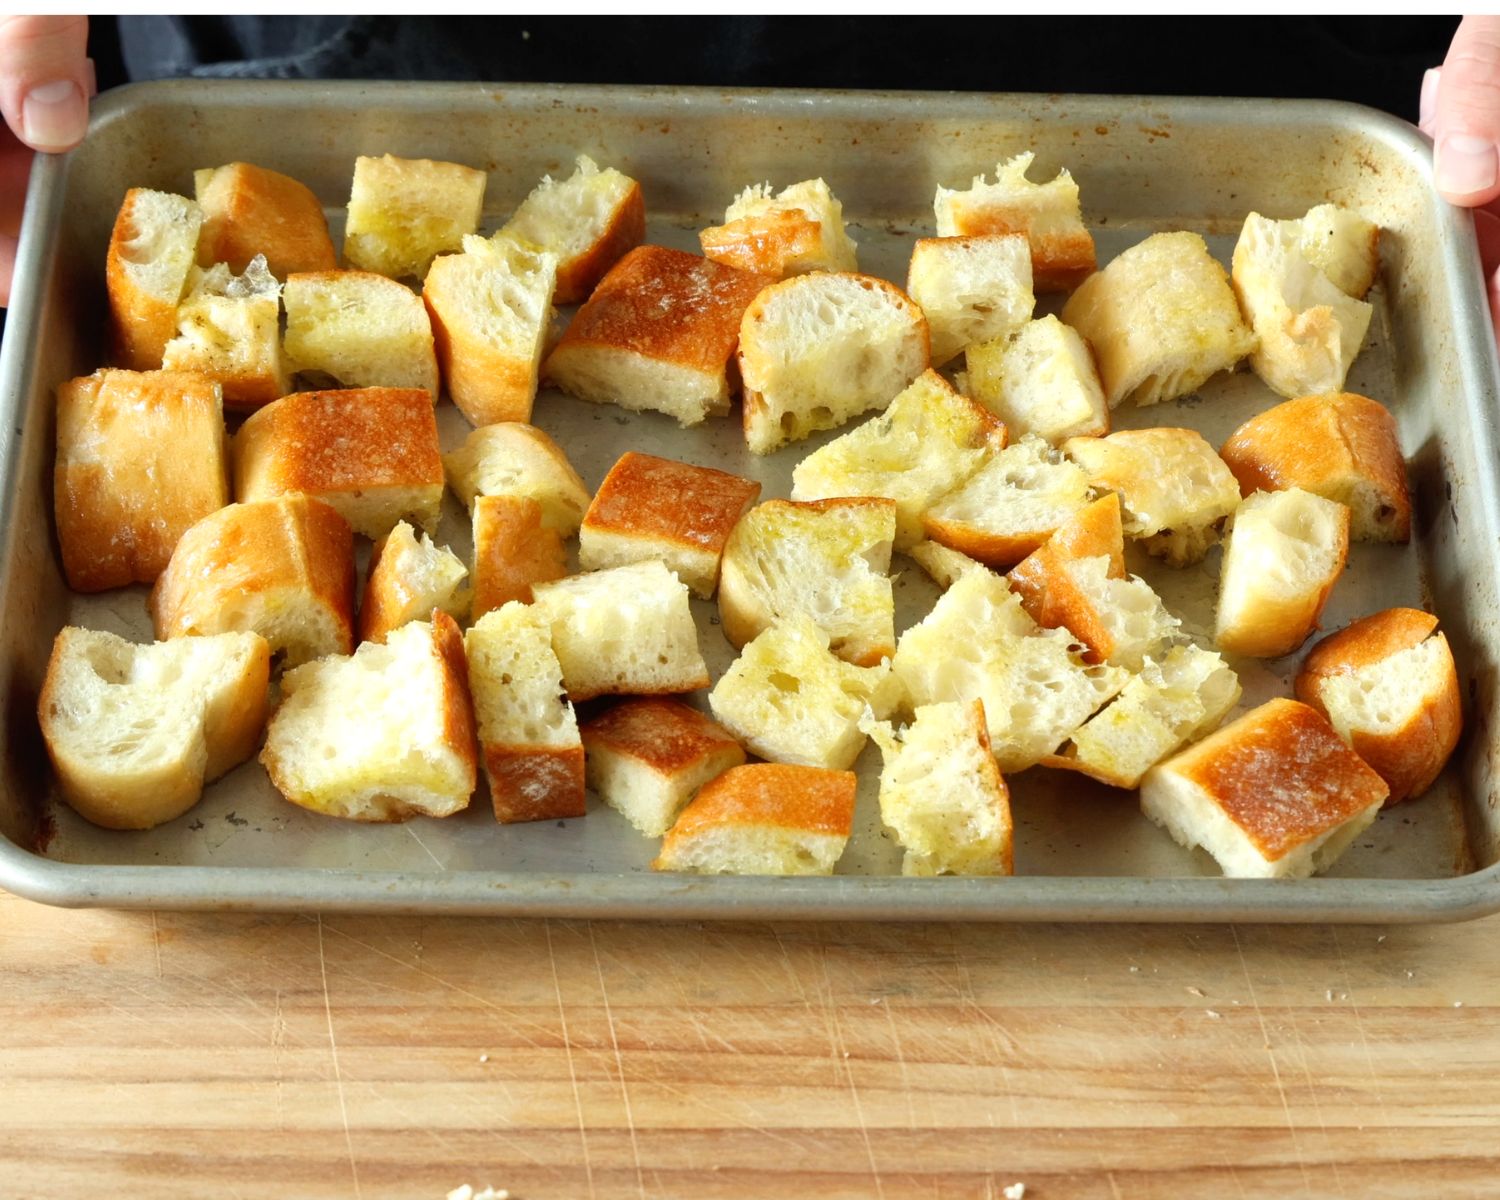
pixel 1083 852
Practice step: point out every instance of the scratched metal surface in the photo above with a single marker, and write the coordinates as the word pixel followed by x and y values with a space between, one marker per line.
pixel 1081 850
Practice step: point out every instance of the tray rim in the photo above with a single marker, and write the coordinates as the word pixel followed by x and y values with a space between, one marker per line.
pixel 651 896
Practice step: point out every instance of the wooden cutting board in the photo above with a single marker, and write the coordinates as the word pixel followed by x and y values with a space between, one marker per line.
pixel 195 1056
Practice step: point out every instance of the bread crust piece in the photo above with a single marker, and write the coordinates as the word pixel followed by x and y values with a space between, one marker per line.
pixel 1040 380
pixel 649 507
pixel 249 210
pixel 407 579
pixel 229 328
pixel 1285 552
pixel 372 453
pixel 511 459
pixel 870 341
pixel 646 757
pixel 491 310
pixel 1411 750
pixel 1062 249
pixel 589 249
pixel 528 734
pixel 281 568
pixel 1343 447
pixel 802 815
pixel 657 335
pixel 1161 319
pixel 1281 778
pixel 140 458
pixel 151 251
pixel 513 549
pixel 799 229
pixel 134 732
pixel 320 752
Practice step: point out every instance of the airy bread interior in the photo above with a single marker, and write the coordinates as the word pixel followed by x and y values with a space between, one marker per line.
pixel 972 289
pixel 514 459
pixel 361 329
pixel 1040 380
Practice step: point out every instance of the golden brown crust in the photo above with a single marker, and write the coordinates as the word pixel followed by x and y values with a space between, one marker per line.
pixel 669 501
pixel 458 709
pixel 667 735
pixel 141 324
pixel 535 783
pixel 1282 775
pixel 387 596
pixel 140 459
pixel 807 799
pixel 512 551
pixel 577 277
pixel 1059 261
pixel 330 444
pixel 992 549
pixel 1410 758
pixel 249 210
pixel 1047 591
pixel 763 244
pixel 1317 443
pixel 248 555
pixel 667 306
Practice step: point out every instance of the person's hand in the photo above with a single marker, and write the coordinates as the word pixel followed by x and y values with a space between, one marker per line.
pixel 1460 112
pixel 46 80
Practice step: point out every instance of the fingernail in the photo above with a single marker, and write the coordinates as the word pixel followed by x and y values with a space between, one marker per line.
pixel 55 115
pixel 1465 164
pixel 1427 105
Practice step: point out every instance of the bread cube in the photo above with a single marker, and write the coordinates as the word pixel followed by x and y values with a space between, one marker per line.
pixel 1342 245
pixel 1274 794
pixel 788 699
pixel 1388 686
pixel 649 507
pixel 281 568
pixel 816 350
pixel 372 453
pixel 404 212
pixel 929 441
pixel 943 566
pixel 1175 492
pixel 624 631
pixel 229 328
pixel 1174 700
pixel 764 819
pixel 491 310
pixel 1284 553
pixel 151 250
pixel 528 733
pixel 140 458
pixel 1343 447
pixel 1062 250
pixel 1011 505
pixel 512 459
pixel 360 330
pixel 1040 380
pixel 1309 331
pixel 942 795
pixel 588 220
pixel 385 735
pixel 249 211
pixel 657 335
pixel 1161 319
pixel 408 578
pixel 977 643
pixel 1093 531
pixel 971 289
pixel 799 229
pixel 825 559
pixel 134 732
pixel 647 757
pixel 1119 621
pixel 514 549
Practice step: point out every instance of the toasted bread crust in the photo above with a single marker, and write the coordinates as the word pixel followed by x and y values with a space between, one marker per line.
pixel 512 551
pixel 248 553
pixel 249 210
pixel 666 735
pixel 458 708
pixel 1410 758
pixel 341 445
pixel 992 549
pixel 765 243
pixel 1317 443
pixel 578 277
pixel 495 384
pixel 535 783
pixel 1282 775
pixel 811 799
pixel 141 323
pixel 1049 594
pixel 140 459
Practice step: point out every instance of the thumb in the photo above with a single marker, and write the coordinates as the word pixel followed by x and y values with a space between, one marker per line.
pixel 45 80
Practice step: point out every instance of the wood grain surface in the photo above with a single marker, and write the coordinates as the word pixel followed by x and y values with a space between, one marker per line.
pixel 211 1056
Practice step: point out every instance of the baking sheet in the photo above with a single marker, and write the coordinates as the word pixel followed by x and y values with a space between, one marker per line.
pixel 1106 860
